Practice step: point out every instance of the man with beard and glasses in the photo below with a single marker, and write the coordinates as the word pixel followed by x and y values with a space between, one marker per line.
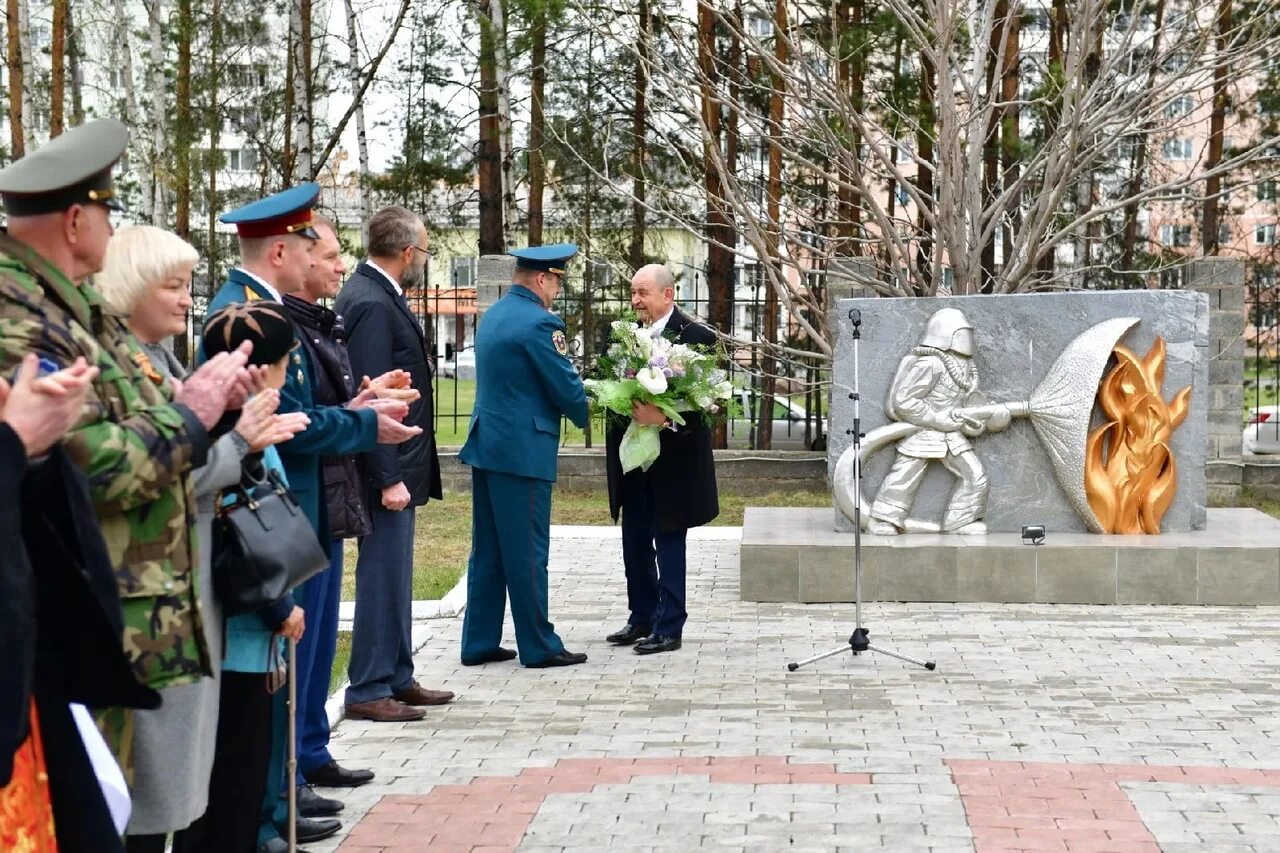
pixel 383 335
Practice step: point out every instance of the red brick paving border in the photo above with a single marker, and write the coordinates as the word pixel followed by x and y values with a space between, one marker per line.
pixel 1079 808
pixel 491 813
pixel 1010 805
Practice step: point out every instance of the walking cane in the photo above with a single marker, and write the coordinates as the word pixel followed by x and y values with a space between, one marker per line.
pixel 291 766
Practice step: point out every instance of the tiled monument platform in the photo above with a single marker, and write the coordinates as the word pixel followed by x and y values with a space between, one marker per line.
pixel 792 554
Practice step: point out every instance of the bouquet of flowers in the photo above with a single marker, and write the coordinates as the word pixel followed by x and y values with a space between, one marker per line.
pixel 677 378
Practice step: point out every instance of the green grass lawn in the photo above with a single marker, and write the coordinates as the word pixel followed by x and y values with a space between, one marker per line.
pixel 1248 498
pixel 454 400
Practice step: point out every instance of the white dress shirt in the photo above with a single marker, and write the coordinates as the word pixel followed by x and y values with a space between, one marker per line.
pixel 388 277
pixel 275 294
pixel 661 324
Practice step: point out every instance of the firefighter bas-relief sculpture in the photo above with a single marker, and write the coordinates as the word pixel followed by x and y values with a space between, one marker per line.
pixel 1118 477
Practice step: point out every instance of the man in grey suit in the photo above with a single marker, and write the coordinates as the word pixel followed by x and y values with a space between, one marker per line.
pixel 383 335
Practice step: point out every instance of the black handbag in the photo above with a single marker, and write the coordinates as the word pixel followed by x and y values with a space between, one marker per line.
pixel 263 544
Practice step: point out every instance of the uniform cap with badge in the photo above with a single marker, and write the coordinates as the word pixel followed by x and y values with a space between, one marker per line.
pixel 74 168
pixel 285 212
pixel 553 258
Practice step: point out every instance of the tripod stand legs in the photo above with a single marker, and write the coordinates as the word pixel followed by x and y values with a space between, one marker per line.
pixel 859 643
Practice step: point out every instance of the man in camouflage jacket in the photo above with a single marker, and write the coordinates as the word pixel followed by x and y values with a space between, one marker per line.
pixel 137 436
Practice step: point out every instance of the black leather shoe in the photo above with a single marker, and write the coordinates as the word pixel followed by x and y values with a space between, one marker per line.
pixel 629 635
pixel 657 644
pixel 498 655
pixel 276 845
pixel 311 804
pixel 565 658
pixel 332 775
pixel 310 829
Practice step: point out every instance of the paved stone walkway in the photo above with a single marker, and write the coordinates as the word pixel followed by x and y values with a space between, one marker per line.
pixel 1044 728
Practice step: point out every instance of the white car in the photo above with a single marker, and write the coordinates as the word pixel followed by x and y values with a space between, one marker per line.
pixel 788 424
pixel 1262 433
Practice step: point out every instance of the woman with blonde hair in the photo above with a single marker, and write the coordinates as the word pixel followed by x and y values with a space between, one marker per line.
pixel 147 279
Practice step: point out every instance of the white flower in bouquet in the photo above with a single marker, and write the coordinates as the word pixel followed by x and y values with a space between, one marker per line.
pixel 652 380
pixel 643 342
pixel 724 390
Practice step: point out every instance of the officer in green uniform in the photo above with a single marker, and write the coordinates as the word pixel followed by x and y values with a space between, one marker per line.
pixel 136 439
pixel 524 385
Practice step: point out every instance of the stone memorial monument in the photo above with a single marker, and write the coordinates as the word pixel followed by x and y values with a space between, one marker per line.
pixel 1082 413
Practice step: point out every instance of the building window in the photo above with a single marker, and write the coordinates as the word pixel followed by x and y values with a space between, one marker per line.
pixel 463 272
pixel 1179 107
pixel 241 159
pixel 1266 190
pixel 1224 233
pixel 1175 235
pixel 1177 149
pixel 1264 235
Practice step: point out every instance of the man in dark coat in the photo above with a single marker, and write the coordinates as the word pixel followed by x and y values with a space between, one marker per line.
pixel 60 619
pixel 383 335
pixel 678 491
pixel 323 337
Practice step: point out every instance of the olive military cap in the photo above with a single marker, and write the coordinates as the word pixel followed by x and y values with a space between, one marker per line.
pixel 74 168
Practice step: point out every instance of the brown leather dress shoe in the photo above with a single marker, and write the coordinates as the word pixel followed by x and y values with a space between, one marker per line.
pixel 416 694
pixel 385 710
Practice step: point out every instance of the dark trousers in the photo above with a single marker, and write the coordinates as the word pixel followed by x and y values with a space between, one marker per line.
pixel 319 597
pixel 381 644
pixel 654 561
pixel 510 536
pixel 240 758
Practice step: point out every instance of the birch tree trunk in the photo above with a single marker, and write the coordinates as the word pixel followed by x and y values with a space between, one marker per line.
pixel 157 200
pixel 28 75
pixel 76 72
pixel 537 121
pixel 57 66
pixel 300 29
pixel 1137 176
pixel 502 69
pixel 214 130
pixel 132 114
pixel 17 136
pixel 362 142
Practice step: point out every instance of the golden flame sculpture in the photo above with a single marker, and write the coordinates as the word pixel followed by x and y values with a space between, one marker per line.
pixel 1130 473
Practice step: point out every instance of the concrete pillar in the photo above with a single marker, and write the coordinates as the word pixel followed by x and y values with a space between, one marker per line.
pixel 1223 280
pixel 493 277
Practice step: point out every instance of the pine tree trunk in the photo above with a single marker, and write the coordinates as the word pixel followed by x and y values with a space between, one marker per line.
pixel 991 147
pixel 537 122
pixel 362 142
pixel 638 116
pixel 184 129
pixel 924 178
pixel 489 165
pixel 1010 136
pixel 17 138
pixel 57 67
pixel 777 106
pixel 719 227
pixel 1213 186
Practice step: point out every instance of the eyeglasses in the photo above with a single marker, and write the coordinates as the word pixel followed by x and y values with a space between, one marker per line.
pixel 420 249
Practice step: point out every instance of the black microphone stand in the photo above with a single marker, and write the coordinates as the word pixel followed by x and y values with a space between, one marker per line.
pixel 859 640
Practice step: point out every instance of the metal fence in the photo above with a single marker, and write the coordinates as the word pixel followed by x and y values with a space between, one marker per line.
pixel 1262 362
pixel 449 318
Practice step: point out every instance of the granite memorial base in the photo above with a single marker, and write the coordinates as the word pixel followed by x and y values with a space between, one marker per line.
pixel 792 554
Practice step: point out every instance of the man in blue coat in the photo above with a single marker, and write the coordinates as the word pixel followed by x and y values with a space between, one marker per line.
pixel 276 239
pixel 524 384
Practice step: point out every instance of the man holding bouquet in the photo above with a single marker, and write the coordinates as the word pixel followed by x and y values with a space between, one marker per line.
pixel 660 501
